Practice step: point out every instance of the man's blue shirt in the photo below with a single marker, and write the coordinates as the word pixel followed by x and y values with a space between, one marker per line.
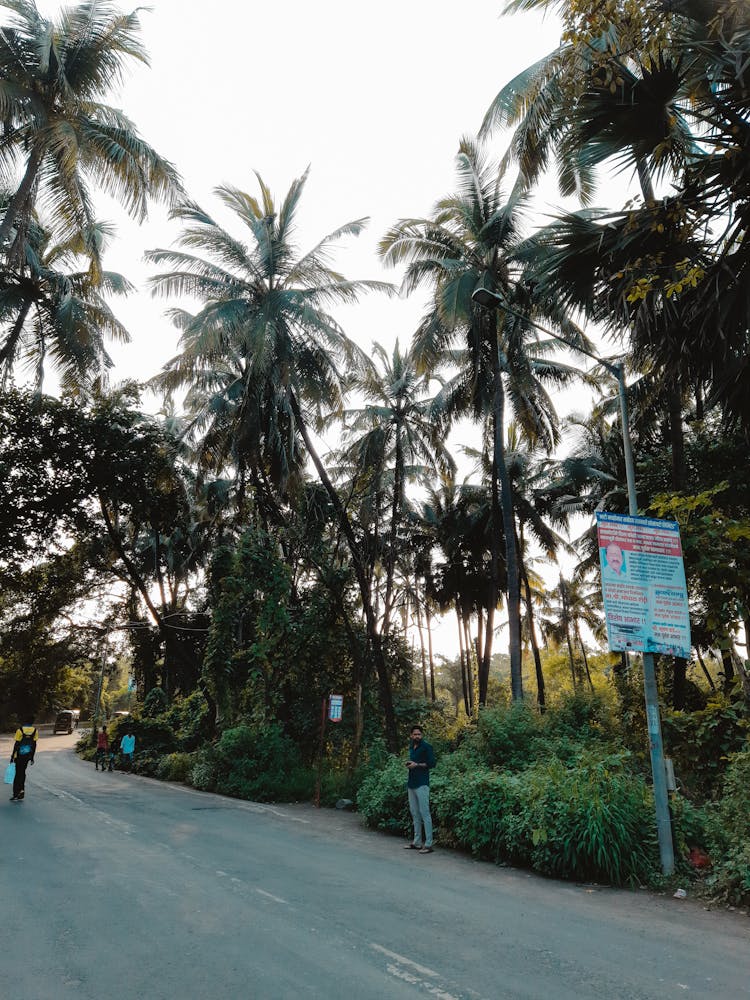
pixel 422 754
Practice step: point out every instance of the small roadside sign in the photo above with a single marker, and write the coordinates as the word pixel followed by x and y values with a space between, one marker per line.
pixel 335 707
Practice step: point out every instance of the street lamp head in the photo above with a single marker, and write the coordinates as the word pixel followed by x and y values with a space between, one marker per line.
pixel 487 299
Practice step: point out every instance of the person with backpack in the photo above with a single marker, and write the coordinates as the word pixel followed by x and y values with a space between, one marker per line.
pixel 23 754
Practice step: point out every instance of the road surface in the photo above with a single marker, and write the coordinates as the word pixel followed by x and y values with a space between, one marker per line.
pixel 118 886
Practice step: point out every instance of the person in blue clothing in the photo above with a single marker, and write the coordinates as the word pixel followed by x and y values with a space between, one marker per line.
pixel 421 761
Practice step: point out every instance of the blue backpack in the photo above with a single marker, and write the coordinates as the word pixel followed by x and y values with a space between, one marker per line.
pixel 26 743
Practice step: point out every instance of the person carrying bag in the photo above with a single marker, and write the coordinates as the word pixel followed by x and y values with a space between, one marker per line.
pixel 23 753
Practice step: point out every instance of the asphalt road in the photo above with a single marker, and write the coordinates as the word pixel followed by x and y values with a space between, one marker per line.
pixel 119 886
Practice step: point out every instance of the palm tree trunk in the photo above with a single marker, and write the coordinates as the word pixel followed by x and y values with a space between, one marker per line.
pixel 469 663
pixel 423 658
pixel 676 436
pixel 585 658
pixel 428 623
pixel 500 476
pixel 463 662
pixel 395 508
pixel 21 197
pixel 540 690
pixel 705 670
pixel 373 636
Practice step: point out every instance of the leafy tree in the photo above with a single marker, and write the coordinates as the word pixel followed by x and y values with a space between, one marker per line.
pixel 470 244
pixel 264 319
pixel 55 76
pixel 52 307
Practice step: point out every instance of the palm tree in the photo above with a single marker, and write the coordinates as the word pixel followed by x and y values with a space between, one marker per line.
pixel 54 75
pixel 393 433
pixel 264 321
pixel 52 307
pixel 467 245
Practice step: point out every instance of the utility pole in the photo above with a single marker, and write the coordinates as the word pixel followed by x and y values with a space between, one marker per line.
pixel 493 301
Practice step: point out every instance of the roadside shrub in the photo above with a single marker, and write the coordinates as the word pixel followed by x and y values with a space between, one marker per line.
pixel 153 736
pixel 255 762
pixel 702 742
pixel 591 820
pixel 187 717
pixel 506 736
pixel 175 767
pixel 382 798
pixel 728 833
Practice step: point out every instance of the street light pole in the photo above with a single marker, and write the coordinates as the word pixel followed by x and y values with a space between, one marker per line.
pixel 491 300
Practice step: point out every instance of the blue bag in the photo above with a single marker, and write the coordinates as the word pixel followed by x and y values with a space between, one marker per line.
pixel 10 774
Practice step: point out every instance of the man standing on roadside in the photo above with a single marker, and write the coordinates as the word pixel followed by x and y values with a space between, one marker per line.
pixel 24 749
pixel 421 760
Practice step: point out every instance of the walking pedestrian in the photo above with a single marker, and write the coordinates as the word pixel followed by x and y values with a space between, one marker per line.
pixel 127 747
pixel 22 755
pixel 421 761
pixel 102 749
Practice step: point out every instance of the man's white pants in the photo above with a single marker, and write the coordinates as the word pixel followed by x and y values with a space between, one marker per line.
pixel 419 805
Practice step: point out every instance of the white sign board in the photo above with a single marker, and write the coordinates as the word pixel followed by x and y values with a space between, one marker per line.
pixel 335 707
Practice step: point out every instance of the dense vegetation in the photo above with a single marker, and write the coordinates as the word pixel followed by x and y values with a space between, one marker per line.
pixel 240 574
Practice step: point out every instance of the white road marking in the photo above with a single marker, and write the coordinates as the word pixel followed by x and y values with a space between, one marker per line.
pixel 402 960
pixel 399 973
pixel 222 874
pixel 396 968
pixel 125 828
pixel 269 895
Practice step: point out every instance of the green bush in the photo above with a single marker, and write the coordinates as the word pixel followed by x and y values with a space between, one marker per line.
pixel 382 798
pixel 506 736
pixel 256 762
pixel 702 742
pixel 175 767
pixel 155 703
pixel 728 832
pixel 592 820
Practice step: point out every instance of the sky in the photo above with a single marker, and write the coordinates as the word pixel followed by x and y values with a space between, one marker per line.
pixel 373 98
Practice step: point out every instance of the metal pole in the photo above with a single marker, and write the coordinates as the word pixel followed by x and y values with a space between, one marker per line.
pixel 651 694
pixel 101 679
pixel 492 300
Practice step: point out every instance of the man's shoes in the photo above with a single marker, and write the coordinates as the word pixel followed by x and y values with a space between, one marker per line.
pixel 425 850
pixel 14 798
pixel 412 847
pixel 20 796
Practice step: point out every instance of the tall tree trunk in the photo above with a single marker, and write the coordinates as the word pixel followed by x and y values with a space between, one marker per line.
pixel 679 683
pixel 705 670
pixel 585 658
pixel 469 663
pixel 21 198
pixel 728 665
pixel 428 622
pixel 676 436
pixel 373 636
pixel 423 658
pixel 398 486
pixel 501 477
pixel 566 620
pixel 540 689
pixel 464 684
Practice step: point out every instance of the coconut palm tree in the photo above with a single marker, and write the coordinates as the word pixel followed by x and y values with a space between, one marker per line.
pixel 264 323
pixel 392 436
pixel 468 245
pixel 57 128
pixel 53 310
